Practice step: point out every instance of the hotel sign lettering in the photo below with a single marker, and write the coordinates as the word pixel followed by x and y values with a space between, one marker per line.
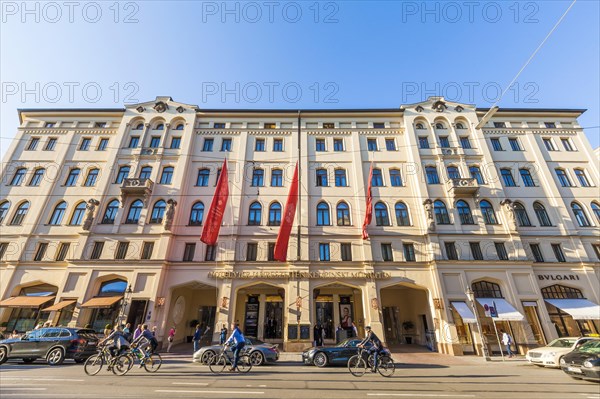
pixel 299 275
pixel 558 277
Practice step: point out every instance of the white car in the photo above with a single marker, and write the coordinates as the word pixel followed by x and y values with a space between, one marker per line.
pixel 551 354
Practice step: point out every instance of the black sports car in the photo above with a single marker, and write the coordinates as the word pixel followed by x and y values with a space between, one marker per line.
pixel 583 362
pixel 322 356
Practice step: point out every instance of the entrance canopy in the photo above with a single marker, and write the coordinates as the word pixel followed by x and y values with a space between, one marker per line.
pixel 504 309
pixel 102 302
pixel 61 305
pixel 465 313
pixel 25 301
pixel 580 309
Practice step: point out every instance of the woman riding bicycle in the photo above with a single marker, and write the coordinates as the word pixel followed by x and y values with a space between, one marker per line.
pixel 239 341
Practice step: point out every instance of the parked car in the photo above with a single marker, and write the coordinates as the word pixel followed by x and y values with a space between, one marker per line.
pixel 551 354
pixel 55 344
pixel 322 356
pixel 584 362
pixel 260 352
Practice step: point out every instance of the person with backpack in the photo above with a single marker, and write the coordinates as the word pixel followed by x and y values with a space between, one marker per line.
pixel 375 348
pixel 507 341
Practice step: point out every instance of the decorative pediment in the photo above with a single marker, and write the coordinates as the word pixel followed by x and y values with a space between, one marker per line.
pixel 161 105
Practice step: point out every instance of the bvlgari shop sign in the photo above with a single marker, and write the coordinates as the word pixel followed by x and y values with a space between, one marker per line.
pixel 558 277
pixel 299 275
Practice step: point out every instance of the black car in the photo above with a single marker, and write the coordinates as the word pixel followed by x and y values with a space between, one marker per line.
pixel 55 344
pixel 584 362
pixel 322 356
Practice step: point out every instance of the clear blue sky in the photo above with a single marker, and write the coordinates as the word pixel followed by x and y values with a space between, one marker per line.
pixel 279 54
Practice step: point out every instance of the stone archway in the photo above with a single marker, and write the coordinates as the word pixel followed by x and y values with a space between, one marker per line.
pixel 260 310
pixel 190 304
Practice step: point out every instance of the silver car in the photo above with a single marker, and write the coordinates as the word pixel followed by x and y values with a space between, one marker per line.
pixel 260 352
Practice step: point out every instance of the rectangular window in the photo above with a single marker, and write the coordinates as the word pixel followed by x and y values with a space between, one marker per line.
pixel 476 251
pixel 207 146
pixel 324 255
pixel 50 124
pixel 465 142
pixel 581 176
pixel 515 145
pixel 508 178
pixel 270 126
pixel 226 145
pixel 41 251
pixel 558 252
pixel 444 143
pixel 567 144
pixel 277 145
pixel 386 252
pixel 409 252
pixel 189 251
pixel 271 252
pixel 211 253
pixel 154 142
pixel 63 249
pixel 501 251
pixel 33 143
pixel 432 175
pixel 372 145
pixel 395 178
pixel 50 144
pixel 85 144
pixel 320 145
pixel 251 252
pixel 499 124
pixel 390 144
pixel 595 246
pixel 97 250
pixel 550 125
pixel 147 250
pixel 496 145
pixel 219 126
pixel 549 144
pixel 563 178
pixel 175 143
pixel 338 145
pixel 3 248
pixel 423 142
pixel 122 250
pixel 378 125
pixel 346 251
pixel 102 145
pixel 134 141
pixel 537 252
pixel 100 124
pixel 451 253
pixel 259 145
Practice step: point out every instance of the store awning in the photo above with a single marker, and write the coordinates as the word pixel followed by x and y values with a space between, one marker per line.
pixel 580 309
pixel 102 302
pixel 504 309
pixel 60 306
pixel 464 311
pixel 25 301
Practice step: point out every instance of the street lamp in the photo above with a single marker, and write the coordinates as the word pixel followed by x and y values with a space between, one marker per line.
pixel 124 304
pixel 484 349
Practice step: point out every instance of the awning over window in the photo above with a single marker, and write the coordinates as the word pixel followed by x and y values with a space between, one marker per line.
pixel 60 306
pixel 102 302
pixel 580 309
pixel 25 301
pixel 464 311
pixel 504 309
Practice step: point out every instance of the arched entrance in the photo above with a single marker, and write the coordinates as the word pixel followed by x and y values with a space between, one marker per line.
pixel 191 304
pixel 260 310
pixel 338 306
pixel 27 306
pixel 560 297
pixel 107 306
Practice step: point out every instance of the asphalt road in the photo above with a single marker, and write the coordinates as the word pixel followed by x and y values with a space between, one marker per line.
pixel 179 378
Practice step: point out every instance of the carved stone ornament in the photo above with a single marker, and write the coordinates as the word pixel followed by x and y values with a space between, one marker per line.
pixel 419 109
pixel 180 109
pixel 508 207
pixel 428 204
pixel 89 214
pixel 171 204
pixel 140 109
pixel 439 106
pixel 160 107
pixel 459 108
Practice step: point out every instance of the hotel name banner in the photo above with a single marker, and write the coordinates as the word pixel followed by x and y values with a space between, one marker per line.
pixel 286 275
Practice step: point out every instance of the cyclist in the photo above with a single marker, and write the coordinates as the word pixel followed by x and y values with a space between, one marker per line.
pixel 237 342
pixel 375 349
pixel 146 337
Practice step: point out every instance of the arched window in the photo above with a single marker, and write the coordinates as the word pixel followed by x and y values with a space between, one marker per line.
pixel 521 214
pixel 167 175
pixel 486 289
pixel 58 213
pixel 377 180
pixel 321 176
pixel 91 178
pixel 581 176
pixel 135 209
pixel 323 214
pixel 78 213
pixel 580 215
pixel 72 178
pixel 453 172
pixel 595 209
pixel 258 177
pixel 487 210
pixel 402 216
pixel 382 218
pixel 4 210
pixel 563 177
pixel 526 177
pixel 36 179
pixel 343 214
pixel 123 174
pixel 160 126
pixel 507 177
pixel 464 211
pixel 419 126
pixel 197 214
pixel 18 177
pixel 542 215
pixel 277 178
pixel 179 126
pixel 459 125
pixel 203 175
pixel 340 178
pixel 476 174
pixel 158 212
pixel 145 172
pixel 111 212
pixel 441 213
pixel 139 126
pixel 254 216
pixel 113 288
pixel 275 214
pixel 558 291
pixel 20 214
pixel 439 125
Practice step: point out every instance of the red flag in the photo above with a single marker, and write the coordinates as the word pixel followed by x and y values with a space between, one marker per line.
pixel 210 233
pixel 369 213
pixel 283 238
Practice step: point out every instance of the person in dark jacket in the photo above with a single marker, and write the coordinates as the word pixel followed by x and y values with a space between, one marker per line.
pixel 197 337
pixel 377 345
pixel 223 335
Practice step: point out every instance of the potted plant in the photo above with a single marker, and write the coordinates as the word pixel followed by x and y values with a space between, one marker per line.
pixel 408 326
pixel 192 325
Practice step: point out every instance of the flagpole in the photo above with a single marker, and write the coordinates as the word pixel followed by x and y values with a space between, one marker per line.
pixel 298 249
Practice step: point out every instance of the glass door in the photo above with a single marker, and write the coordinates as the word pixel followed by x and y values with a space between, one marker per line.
pixel 273 320
pixel 324 314
pixel 531 313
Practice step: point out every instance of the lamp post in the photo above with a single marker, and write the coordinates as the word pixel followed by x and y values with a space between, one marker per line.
pixel 484 349
pixel 124 304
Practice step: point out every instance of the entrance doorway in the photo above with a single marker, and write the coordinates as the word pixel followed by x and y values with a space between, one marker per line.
pixel 391 324
pixel 338 306
pixel 192 304
pixel 137 312
pixel 259 309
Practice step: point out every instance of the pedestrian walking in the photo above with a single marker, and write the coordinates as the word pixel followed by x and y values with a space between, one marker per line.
pixel 223 335
pixel 171 338
pixel 197 337
pixel 137 332
pixel 507 341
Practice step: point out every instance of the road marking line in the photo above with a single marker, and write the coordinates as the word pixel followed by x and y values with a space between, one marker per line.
pixel 215 392
pixel 190 383
pixel 39 379
pixel 421 395
pixel 22 389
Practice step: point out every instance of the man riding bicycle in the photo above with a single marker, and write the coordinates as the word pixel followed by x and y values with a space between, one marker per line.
pixel 375 349
pixel 239 341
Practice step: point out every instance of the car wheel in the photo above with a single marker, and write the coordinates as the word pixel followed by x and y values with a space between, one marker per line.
pixel 257 358
pixel 55 357
pixel 28 360
pixel 207 357
pixel 3 354
pixel 320 359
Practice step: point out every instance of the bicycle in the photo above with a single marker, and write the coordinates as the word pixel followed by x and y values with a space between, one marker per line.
pixel 151 361
pixel 118 364
pixel 218 362
pixel 357 365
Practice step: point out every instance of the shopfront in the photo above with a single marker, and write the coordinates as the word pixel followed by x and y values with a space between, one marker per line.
pixel 29 307
pixel 105 308
pixel 571 314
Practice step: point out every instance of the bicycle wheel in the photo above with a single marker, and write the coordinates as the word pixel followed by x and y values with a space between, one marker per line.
pixel 152 363
pixel 93 364
pixel 122 365
pixel 244 364
pixel 357 366
pixel 218 364
pixel 386 366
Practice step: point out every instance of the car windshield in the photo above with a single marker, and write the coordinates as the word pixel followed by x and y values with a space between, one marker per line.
pixel 254 341
pixel 590 347
pixel 562 343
